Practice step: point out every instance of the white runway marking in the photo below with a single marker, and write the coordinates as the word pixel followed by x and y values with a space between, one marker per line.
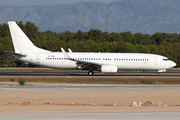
pixel 130 88
pixel 12 89
pixel 71 89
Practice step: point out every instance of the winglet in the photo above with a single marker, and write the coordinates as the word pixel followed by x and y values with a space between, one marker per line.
pixel 65 54
pixel 69 50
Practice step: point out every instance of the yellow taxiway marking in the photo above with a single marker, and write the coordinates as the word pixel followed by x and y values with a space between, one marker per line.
pixel 68 76
pixel 141 76
pixel 174 87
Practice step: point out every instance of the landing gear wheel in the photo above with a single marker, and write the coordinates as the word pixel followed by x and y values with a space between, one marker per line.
pixel 90 73
pixel 158 74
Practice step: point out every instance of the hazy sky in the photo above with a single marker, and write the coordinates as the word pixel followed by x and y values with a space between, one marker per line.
pixel 52 2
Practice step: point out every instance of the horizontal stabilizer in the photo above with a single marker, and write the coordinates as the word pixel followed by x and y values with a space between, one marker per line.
pixel 13 53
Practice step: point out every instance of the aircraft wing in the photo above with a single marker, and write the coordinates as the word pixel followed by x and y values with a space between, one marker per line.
pixel 13 53
pixel 83 65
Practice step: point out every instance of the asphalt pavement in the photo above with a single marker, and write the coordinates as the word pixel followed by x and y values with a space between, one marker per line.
pixel 94 116
pixel 97 74
pixel 88 88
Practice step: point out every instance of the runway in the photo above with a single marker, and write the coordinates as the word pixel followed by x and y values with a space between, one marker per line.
pixel 87 88
pixel 97 74
pixel 94 116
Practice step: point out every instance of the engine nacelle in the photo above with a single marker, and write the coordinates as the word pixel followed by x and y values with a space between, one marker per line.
pixel 109 68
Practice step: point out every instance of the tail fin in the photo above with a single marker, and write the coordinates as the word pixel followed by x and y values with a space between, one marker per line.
pixel 21 42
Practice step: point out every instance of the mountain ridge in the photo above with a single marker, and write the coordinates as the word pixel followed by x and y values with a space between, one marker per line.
pixel 142 16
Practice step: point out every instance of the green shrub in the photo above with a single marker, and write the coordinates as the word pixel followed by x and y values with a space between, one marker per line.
pixel 12 80
pixel 142 81
pixel 22 81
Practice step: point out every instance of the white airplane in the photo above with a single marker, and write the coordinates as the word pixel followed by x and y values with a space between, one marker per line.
pixel 26 51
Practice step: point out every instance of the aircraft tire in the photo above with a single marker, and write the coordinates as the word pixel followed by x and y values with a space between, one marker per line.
pixel 158 74
pixel 90 73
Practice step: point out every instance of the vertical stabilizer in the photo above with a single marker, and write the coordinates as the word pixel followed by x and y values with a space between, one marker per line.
pixel 21 42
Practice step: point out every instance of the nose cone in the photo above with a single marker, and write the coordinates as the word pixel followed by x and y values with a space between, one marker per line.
pixel 172 64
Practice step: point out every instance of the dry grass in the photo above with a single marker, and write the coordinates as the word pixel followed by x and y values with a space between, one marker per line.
pixel 94 80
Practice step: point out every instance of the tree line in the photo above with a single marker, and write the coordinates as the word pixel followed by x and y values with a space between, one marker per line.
pixel 166 44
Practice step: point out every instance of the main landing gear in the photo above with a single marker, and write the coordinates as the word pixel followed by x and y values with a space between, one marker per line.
pixel 158 74
pixel 90 73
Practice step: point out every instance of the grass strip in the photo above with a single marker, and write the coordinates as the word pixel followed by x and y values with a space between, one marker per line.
pixel 94 80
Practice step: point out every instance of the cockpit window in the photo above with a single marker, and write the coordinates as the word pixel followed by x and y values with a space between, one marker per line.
pixel 165 59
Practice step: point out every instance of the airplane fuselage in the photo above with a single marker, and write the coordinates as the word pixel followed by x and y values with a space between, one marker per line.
pixel 124 61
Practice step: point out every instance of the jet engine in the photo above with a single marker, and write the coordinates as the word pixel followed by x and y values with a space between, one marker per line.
pixel 109 68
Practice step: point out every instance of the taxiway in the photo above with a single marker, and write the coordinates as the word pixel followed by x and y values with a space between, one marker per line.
pixel 82 74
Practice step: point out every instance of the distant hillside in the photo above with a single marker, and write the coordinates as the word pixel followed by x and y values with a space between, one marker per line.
pixel 145 16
